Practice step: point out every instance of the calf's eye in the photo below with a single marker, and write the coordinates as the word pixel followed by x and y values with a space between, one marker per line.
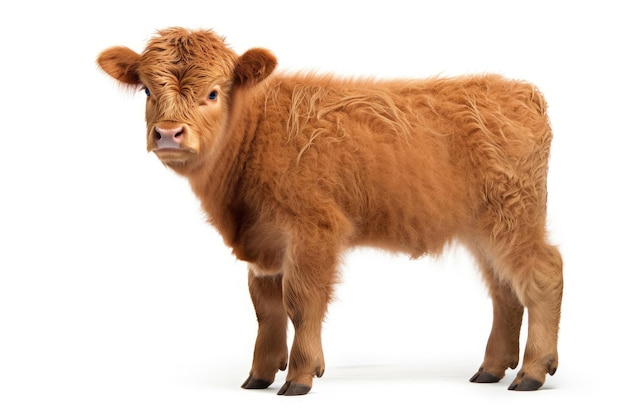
pixel 213 95
pixel 147 91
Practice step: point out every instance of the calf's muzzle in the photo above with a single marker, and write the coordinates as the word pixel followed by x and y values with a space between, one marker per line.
pixel 168 137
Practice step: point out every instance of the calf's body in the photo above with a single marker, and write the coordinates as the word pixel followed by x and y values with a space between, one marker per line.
pixel 294 169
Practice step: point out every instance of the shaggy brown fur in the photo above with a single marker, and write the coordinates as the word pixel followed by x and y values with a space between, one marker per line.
pixel 294 169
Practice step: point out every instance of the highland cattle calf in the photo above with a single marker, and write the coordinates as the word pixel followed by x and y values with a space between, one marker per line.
pixel 293 169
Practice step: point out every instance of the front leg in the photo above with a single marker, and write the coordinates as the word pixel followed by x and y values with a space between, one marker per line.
pixel 307 290
pixel 270 350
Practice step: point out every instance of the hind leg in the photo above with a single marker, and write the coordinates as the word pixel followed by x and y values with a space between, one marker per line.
pixel 270 350
pixel 537 276
pixel 502 350
pixel 532 272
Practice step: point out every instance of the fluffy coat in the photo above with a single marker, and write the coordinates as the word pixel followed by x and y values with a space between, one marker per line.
pixel 293 169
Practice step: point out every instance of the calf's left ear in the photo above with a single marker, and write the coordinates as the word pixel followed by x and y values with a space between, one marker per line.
pixel 254 66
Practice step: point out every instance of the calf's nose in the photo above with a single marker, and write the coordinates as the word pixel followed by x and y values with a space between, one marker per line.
pixel 174 134
pixel 169 138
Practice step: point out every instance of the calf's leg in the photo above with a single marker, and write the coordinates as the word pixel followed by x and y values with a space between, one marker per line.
pixel 502 350
pixel 307 290
pixel 532 271
pixel 537 277
pixel 270 350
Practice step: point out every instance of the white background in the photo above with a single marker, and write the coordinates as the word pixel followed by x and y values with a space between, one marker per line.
pixel 117 299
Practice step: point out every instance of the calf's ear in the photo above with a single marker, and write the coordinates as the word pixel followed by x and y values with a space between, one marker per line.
pixel 120 63
pixel 254 66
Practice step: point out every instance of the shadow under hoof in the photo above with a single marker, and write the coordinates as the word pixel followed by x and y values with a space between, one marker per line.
pixel 289 389
pixel 484 377
pixel 526 384
pixel 253 383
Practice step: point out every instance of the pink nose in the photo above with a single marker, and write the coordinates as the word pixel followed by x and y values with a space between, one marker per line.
pixel 175 134
pixel 169 138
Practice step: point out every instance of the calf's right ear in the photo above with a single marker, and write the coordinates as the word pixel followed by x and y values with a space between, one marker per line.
pixel 254 66
pixel 120 63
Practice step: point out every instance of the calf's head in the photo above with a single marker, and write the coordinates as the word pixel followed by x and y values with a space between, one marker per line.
pixel 189 78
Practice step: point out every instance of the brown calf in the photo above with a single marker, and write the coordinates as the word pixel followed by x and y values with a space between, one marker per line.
pixel 294 169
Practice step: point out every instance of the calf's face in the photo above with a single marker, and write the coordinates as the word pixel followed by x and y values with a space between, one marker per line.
pixel 189 78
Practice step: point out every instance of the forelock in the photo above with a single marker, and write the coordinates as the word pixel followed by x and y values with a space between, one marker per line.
pixel 176 51
pixel 178 62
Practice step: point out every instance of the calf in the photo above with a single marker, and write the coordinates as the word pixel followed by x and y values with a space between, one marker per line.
pixel 294 169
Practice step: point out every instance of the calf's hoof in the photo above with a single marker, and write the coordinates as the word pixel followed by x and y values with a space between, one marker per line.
pixel 525 384
pixel 290 389
pixel 254 383
pixel 484 377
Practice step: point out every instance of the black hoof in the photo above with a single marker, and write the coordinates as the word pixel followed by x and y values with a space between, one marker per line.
pixel 253 383
pixel 289 389
pixel 484 377
pixel 526 384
